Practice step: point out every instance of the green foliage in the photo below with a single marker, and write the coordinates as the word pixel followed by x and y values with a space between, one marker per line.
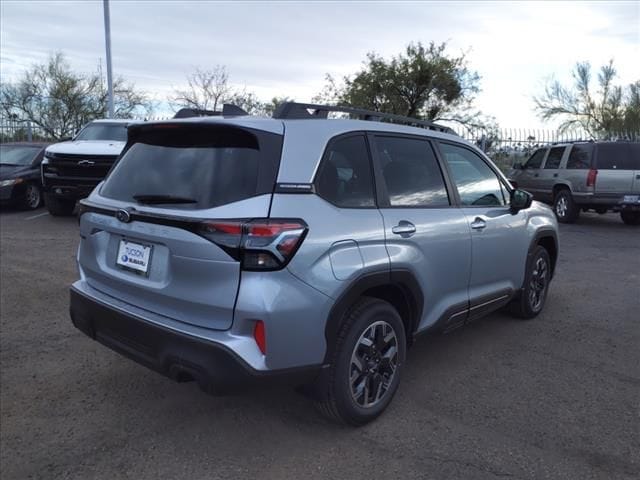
pixel 608 110
pixel 59 101
pixel 421 82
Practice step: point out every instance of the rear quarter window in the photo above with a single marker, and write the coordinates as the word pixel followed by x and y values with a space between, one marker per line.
pixel 580 157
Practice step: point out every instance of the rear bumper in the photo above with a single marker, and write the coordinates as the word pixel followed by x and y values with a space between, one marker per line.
pixel 215 367
pixel 611 201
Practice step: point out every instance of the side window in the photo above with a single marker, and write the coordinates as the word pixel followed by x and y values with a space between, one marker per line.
pixel 477 183
pixel 411 172
pixel 580 157
pixel 553 160
pixel 536 159
pixel 344 177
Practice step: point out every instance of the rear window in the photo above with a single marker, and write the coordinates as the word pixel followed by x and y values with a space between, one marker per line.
pixel 618 156
pixel 195 167
pixel 580 157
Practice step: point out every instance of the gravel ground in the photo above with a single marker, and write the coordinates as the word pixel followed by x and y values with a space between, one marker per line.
pixel 555 397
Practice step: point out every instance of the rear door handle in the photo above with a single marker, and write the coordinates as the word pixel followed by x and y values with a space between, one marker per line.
pixel 404 228
pixel 555 174
pixel 478 224
pixel 536 175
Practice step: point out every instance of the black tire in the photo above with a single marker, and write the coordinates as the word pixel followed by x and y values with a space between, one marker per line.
pixel 532 298
pixel 32 197
pixel 335 388
pixel 59 207
pixel 564 207
pixel 630 218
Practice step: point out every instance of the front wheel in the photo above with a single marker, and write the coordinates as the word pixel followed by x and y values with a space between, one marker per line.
pixel 536 284
pixel 565 208
pixel 366 364
pixel 59 207
pixel 32 197
pixel 630 218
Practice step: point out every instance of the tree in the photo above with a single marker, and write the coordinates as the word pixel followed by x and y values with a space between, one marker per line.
pixel 422 82
pixel 610 109
pixel 60 101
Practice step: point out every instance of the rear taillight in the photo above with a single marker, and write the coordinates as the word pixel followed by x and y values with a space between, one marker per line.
pixel 591 177
pixel 260 244
pixel 260 336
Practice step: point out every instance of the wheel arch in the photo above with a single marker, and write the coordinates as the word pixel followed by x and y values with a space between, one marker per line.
pixel 399 287
pixel 548 239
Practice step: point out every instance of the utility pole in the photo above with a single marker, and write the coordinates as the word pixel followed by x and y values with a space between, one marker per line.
pixel 107 41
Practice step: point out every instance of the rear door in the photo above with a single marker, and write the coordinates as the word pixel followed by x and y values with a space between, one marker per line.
pixel 616 174
pixel 499 236
pixel 156 233
pixel 634 159
pixel 425 232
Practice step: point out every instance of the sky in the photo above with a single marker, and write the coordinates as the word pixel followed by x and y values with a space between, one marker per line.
pixel 287 48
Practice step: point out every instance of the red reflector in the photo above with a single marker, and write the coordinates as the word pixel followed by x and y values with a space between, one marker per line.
pixel 591 178
pixel 259 336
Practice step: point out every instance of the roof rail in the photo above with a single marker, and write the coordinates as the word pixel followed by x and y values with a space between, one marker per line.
pixel 299 111
pixel 228 110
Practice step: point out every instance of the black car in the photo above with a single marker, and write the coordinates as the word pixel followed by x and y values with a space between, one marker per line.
pixel 20 179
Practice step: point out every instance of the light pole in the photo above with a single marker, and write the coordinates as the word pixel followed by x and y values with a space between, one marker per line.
pixel 107 41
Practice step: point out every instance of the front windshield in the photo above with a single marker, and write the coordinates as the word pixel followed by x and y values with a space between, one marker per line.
pixel 17 154
pixel 104 131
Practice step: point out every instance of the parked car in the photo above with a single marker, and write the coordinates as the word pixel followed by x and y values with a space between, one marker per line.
pixel 234 249
pixel 600 176
pixel 20 182
pixel 71 169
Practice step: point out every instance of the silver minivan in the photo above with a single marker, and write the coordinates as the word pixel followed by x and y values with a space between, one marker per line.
pixel 600 176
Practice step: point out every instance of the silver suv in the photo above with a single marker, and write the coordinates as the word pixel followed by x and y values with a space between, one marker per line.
pixel 236 250
pixel 600 176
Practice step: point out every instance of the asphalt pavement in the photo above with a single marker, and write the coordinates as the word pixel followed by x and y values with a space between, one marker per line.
pixel 555 397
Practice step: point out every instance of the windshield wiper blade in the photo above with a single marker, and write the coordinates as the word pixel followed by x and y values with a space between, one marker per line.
pixel 153 199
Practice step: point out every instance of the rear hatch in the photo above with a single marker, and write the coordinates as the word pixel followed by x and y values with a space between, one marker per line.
pixel 147 236
pixel 617 165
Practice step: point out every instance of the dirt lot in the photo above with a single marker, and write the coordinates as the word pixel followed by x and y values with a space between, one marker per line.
pixel 556 397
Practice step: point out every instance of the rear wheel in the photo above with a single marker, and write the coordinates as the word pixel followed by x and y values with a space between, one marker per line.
pixel 32 197
pixel 630 218
pixel 564 207
pixel 59 207
pixel 536 283
pixel 366 364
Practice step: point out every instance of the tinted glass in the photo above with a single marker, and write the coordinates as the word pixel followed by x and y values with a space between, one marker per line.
pixel 104 131
pixel 553 160
pixel 344 177
pixel 477 183
pixel 211 166
pixel 18 154
pixel 613 156
pixel 536 159
pixel 634 158
pixel 580 157
pixel 411 173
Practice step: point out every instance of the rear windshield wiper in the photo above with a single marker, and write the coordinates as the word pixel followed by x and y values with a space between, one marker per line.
pixel 151 199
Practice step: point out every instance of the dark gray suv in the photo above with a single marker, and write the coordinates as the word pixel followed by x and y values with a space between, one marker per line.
pixel 233 250
pixel 600 176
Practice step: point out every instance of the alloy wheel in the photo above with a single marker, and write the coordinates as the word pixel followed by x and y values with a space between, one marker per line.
pixel 32 197
pixel 538 284
pixel 561 206
pixel 374 362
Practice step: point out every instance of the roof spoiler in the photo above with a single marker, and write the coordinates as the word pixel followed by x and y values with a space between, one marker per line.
pixel 228 110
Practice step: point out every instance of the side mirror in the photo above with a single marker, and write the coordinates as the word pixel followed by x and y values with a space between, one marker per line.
pixel 520 200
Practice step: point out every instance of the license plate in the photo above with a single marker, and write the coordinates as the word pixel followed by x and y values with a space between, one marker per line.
pixel 631 199
pixel 134 256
